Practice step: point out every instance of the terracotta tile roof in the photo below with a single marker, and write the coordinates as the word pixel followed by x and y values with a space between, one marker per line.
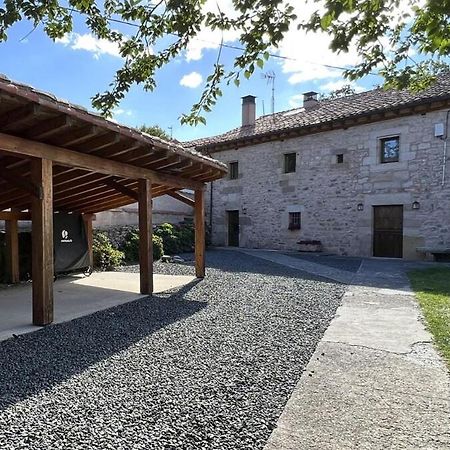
pixel 49 100
pixel 328 111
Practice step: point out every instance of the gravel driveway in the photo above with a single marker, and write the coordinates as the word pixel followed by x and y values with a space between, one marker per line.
pixel 208 367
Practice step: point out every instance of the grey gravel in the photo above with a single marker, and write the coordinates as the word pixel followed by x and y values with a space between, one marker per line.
pixel 168 268
pixel 208 367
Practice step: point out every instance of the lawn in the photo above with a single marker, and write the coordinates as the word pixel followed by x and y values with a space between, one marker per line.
pixel 432 287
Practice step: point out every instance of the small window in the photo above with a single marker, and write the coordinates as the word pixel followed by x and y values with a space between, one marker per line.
pixel 295 220
pixel 390 149
pixel 340 158
pixel 290 162
pixel 233 170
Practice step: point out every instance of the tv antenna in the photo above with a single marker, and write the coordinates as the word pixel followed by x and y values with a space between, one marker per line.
pixel 270 77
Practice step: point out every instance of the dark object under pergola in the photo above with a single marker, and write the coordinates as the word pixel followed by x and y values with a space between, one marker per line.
pixel 55 156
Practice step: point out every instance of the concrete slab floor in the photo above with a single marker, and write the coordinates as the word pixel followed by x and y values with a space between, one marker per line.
pixel 78 296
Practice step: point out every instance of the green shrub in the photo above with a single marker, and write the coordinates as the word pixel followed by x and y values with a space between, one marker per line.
pixel 158 247
pixel 106 257
pixel 186 238
pixel 166 232
pixel 176 239
pixel 131 247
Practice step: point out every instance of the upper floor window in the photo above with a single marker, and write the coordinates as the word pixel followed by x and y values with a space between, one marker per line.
pixel 290 162
pixel 295 220
pixel 340 158
pixel 390 149
pixel 233 170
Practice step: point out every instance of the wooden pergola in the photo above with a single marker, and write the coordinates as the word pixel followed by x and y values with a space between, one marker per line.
pixel 55 156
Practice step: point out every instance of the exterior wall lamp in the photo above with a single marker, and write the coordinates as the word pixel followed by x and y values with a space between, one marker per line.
pixel 416 205
pixel 360 207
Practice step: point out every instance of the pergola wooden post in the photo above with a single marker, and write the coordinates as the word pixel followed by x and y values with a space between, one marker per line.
pixel 42 242
pixel 88 218
pixel 12 250
pixel 199 215
pixel 145 236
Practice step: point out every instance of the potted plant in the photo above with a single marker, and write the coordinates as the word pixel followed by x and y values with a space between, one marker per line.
pixel 310 245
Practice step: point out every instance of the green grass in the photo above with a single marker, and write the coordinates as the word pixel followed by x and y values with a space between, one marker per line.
pixel 432 288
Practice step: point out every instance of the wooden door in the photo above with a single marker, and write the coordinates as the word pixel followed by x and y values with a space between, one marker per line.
pixel 233 228
pixel 388 231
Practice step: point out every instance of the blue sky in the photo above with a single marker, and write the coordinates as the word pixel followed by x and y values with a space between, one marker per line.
pixel 79 66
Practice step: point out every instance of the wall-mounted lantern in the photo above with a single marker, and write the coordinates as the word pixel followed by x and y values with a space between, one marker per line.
pixel 416 205
pixel 360 207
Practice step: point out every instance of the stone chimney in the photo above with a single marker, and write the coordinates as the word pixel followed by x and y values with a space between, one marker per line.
pixel 248 110
pixel 310 100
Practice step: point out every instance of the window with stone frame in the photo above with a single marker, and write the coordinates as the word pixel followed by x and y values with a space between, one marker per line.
pixel 295 221
pixel 389 149
pixel 290 162
pixel 233 170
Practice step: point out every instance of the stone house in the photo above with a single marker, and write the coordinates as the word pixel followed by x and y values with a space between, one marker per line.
pixel 366 175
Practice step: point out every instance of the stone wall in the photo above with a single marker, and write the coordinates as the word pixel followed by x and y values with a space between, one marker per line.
pixel 327 193
pixel 165 210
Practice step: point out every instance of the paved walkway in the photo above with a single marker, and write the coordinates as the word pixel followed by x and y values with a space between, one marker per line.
pixel 375 380
pixel 77 296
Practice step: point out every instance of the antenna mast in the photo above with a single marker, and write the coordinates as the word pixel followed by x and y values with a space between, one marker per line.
pixel 270 77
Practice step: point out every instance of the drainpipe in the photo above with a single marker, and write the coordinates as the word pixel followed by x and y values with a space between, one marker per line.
pixel 444 157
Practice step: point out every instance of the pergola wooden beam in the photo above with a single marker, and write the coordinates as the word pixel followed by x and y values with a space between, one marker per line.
pixel 13 215
pixel 64 157
pixel 78 136
pixel 42 243
pixel 145 237
pixel 17 116
pixel 182 198
pixel 50 127
pixel 22 183
pixel 112 183
pixel 102 141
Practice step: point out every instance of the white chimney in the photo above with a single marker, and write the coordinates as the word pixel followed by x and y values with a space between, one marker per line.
pixel 310 100
pixel 248 110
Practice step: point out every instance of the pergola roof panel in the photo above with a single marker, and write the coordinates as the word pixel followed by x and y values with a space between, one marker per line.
pixel 39 117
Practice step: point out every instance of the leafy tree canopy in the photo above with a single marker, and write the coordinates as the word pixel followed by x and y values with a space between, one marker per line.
pixel 408 45
pixel 155 130
pixel 344 91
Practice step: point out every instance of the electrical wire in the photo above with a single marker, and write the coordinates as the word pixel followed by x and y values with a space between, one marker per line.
pixel 230 46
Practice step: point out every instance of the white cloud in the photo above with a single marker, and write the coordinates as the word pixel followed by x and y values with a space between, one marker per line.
pixel 122 112
pixel 310 57
pixel 191 80
pixel 339 84
pixel 296 101
pixel 90 43
pixel 308 54
pixel 208 39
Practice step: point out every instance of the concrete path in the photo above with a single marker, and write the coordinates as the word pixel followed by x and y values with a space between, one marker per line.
pixel 375 380
pixel 78 296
